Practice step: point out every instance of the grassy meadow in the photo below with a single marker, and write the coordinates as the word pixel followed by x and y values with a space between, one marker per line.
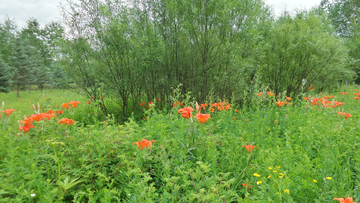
pixel 305 151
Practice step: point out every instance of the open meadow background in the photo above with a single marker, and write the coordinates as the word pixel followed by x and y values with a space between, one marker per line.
pixel 181 101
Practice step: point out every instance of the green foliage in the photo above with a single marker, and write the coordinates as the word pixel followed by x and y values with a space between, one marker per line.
pixel 302 47
pixel 4 76
pixel 152 46
pixel 100 162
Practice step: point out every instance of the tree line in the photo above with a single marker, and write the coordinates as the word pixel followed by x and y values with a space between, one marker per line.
pixel 232 49
pixel 28 55
pixel 131 51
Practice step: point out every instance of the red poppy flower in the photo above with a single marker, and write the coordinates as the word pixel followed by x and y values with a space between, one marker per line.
pixel 142 104
pixel 144 143
pixel 60 112
pixel 249 147
pixel 89 102
pixel 8 111
pixel 186 112
pixel 346 200
pixel 158 99
pixel 101 97
pixel 202 118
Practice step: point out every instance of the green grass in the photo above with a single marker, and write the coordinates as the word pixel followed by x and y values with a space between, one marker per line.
pixel 189 162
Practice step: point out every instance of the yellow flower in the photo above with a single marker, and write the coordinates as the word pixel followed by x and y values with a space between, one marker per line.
pixel 278 167
pixel 287 191
pixel 270 168
pixel 256 174
pixel 275 171
pixel 269 176
pixel 259 182
pixel 329 178
pixel 281 176
pixel 315 180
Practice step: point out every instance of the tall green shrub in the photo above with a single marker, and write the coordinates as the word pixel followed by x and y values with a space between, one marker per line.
pixel 301 47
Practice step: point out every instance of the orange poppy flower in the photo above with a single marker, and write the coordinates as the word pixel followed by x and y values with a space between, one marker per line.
pixel 280 104
pixel 27 121
pixel 227 107
pixel 270 94
pixel 8 111
pixel 347 93
pixel 203 106
pixel 346 200
pixel 246 186
pixel 66 121
pixel 234 118
pixel 144 143
pixel 341 93
pixel 275 121
pixel 202 118
pixel 65 105
pixel 260 93
pixel 307 98
pixel 288 98
pixel 212 110
pixel 328 97
pixel 236 110
pixel 60 112
pixel 26 128
pixel 220 108
pixel 51 112
pixel 357 94
pixel 144 118
pixel 142 104
pixel 74 103
pixel 158 99
pixel 337 103
pixel 89 102
pixel 186 112
pixel 101 97
pixel 249 147
pixel 356 97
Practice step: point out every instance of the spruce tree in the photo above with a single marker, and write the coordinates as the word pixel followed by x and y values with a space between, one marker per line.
pixel 21 64
pixel 4 76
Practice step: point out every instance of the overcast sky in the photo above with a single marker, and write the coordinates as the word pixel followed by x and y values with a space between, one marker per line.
pixel 46 11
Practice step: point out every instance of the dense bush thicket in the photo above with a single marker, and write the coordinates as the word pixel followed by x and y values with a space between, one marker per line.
pixel 227 47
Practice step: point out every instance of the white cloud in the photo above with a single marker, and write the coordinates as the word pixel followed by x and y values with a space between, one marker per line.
pixel 290 5
pixel 46 11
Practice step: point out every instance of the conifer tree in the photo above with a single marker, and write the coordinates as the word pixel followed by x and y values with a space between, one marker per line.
pixel 21 64
pixel 4 76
